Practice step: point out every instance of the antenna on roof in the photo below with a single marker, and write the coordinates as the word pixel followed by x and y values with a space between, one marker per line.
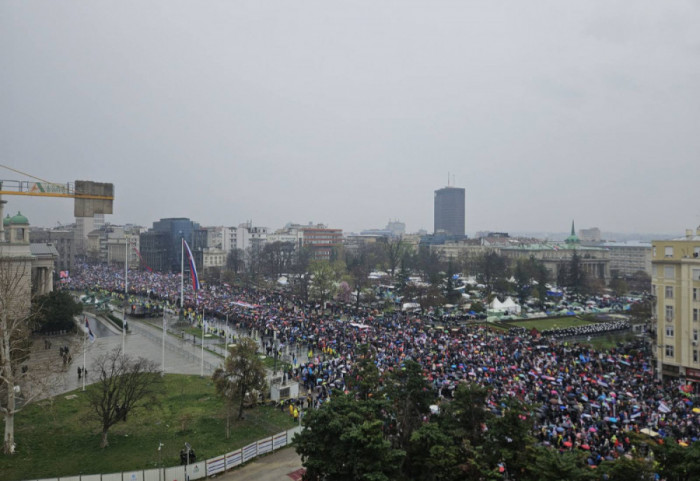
pixel 448 178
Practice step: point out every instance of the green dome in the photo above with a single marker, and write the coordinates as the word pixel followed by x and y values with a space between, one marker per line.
pixel 6 220
pixel 19 219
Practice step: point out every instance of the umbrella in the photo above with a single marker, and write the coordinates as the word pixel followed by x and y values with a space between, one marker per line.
pixel 585 446
pixel 568 444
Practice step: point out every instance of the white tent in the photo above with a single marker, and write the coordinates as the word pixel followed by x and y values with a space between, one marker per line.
pixel 496 305
pixel 510 306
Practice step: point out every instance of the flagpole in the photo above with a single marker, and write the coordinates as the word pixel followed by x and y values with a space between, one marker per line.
pixel 202 341
pixel 126 290
pixel 84 350
pixel 182 274
pixel 162 362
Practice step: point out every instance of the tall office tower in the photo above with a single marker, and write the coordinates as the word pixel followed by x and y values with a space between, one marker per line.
pixel 449 211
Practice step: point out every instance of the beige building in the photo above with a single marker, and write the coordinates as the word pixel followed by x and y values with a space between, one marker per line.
pixel 213 257
pixel 676 289
pixel 628 258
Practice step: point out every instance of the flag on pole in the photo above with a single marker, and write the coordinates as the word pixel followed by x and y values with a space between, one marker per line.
pixel 91 336
pixel 193 268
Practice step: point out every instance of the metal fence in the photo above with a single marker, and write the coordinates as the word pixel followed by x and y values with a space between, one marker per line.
pixel 203 469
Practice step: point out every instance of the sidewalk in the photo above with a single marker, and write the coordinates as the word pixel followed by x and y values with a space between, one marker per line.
pixel 284 464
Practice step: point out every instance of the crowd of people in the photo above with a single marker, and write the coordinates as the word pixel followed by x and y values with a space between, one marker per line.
pixel 586 329
pixel 589 400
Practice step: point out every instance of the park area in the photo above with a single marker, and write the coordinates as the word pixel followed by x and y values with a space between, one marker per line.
pixel 57 438
pixel 549 323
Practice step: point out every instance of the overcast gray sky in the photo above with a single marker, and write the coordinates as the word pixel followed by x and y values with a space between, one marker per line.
pixel 352 113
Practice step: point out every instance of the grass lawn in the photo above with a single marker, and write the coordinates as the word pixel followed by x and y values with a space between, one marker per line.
pixel 57 438
pixel 543 324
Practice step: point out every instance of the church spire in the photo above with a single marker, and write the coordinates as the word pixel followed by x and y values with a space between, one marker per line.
pixel 573 238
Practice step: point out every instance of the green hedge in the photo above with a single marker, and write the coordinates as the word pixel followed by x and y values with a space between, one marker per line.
pixel 116 320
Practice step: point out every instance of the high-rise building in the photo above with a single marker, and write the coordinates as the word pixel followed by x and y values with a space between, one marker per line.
pixel 675 268
pixel 168 243
pixel 449 211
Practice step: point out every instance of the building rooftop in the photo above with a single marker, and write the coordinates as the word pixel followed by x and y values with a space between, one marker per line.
pixel 43 250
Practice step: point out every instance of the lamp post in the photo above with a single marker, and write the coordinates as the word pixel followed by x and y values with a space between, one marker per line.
pixel 187 462
pixel 126 290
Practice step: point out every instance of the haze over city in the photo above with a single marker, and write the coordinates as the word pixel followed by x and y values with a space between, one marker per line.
pixel 353 114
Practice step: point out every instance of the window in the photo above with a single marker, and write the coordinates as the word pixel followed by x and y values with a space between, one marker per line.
pixel 654 249
pixel 696 274
pixel 653 290
pixel 670 272
pixel 695 293
pixel 669 331
pixel 695 355
pixel 668 251
pixel 669 313
pixel 695 335
pixel 669 350
pixel 669 292
pixel 695 314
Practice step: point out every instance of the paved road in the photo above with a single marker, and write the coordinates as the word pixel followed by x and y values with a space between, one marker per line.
pixel 284 464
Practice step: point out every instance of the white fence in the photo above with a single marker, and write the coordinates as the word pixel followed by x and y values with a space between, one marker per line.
pixel 194 471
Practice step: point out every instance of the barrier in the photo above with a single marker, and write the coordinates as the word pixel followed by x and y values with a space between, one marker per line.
pixel 279 440
pixel 249 452
pixel 129 476
pixel 264 446
pixel 216 465
pixel 197 470
pixel 176 473
pixel 152 475
pixel 202 469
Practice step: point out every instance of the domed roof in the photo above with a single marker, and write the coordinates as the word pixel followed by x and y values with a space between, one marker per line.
pixel 6 220
pixel 19 219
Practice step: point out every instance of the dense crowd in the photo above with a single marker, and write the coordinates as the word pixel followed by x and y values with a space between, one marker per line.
pixel 589 400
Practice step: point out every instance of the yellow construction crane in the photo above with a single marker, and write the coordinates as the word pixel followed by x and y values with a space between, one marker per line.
pixel 90 197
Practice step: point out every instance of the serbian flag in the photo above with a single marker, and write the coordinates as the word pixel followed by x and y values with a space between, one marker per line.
pixel 193 268
pixel 91 336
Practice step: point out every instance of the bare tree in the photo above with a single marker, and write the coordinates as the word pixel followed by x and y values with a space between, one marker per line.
pixel 243 372
pixel 124 384
pixel 15 343
pixel 394 249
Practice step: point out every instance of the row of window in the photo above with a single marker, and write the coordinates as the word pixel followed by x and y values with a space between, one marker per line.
pixel 668 251
pixel 669 350
pixel 670 331
pixel 670 311
pixel 669 272
pixel 668 292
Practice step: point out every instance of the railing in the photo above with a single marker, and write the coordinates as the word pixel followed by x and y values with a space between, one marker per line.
pixel 199 470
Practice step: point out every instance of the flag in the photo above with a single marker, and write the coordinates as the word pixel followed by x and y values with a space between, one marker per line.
pixel 142 261
pixel 91 336
pixel 193 267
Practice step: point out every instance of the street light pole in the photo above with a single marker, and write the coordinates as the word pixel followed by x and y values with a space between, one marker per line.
pixel 187 462
pixel 126 290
